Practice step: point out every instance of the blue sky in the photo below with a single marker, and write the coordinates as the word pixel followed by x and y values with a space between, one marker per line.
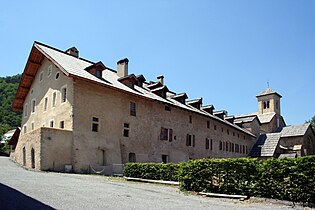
pixel 224 51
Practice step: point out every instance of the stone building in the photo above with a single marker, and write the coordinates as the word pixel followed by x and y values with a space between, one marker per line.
pixel 79 115
pixel 274 138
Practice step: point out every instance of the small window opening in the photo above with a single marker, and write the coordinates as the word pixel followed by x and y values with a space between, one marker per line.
pixel 132 109
pixel 62 124
pixel 190 119
pixel 57 75
pixel 51 123
pixel 95 123
pixel 167 108
pixel 132 157
pixel 165 158
pixel 208 124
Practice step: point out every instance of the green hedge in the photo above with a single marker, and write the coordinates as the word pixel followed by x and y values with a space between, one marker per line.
pixel 286 179
pixel 157 171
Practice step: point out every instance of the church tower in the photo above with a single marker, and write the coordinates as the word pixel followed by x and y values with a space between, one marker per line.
pixel 268 102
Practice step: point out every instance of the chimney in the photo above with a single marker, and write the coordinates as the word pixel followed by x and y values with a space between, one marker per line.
pixel 122 67
pixel 73 51
pixel 160 79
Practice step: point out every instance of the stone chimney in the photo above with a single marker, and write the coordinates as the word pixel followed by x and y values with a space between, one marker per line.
pixel 73 51
pixel 122 67
pixel 160 79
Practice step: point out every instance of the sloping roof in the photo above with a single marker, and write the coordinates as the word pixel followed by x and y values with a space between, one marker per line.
pixel 266 118
pixel 265 145
pixel 295 130
pixel 75 67
pixel 268 91
pixel 290 155
pixel 245 118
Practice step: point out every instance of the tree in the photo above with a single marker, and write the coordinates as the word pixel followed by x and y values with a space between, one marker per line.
pixel 312 121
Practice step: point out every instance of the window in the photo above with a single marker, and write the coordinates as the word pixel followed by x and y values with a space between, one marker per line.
pixel 190 119
pixel 166 134
pixel 220 145
pixel 98 74
pixel 246 149
pixel 132 109
pixel 132 157
pixel 49 70
pixel 233 134
pixel 277 104
pixel 62 124
pixel 208 143
pixel 243 149
pixel 57 75
pixel 211 144
pixel 168 108
pixel 25 129
pixel 237 148
pixel 54 99
pixel 51 123
pixel 33 105
pixel 232 147
pixel 222 129
pixel 63 94
pixel 164 158
pixel 32 126
pixel 25 110
pixel 215 127
pixel 223 146
pixel 208 124
pixel 95 123
pixel 227 146
pixel 190 140
pixel 268 104
pixel 126 130
pixel 41 76
pixel 45 104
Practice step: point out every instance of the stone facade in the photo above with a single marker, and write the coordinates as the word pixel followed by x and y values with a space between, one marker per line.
pixel 83 114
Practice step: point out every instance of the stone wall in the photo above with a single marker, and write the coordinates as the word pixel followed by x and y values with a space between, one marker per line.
pixel 56 149
pixel 109 146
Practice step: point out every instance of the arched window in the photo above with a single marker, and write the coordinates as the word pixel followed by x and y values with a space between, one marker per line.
pixel 265 105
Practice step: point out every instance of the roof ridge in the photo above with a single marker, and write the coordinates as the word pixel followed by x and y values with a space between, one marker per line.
pixel 56 49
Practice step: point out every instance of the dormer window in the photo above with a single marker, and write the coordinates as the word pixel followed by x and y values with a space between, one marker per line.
pixel 96 69
pixel 197 103
pixel 160 91
pixel 181 97
pixel 98 74
pixel 129 80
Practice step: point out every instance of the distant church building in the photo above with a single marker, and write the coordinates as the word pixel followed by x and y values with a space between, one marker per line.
pixel 81 115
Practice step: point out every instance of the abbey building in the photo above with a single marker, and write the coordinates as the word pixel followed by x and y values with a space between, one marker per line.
pixel 82 114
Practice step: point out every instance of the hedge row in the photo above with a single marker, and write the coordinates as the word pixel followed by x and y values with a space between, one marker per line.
pixel 285 179
pixel 157 171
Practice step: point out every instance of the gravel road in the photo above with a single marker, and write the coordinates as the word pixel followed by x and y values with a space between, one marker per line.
pixel 25 189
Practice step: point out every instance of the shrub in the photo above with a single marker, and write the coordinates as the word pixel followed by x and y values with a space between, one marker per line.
pixel 286 179
pixel 158 171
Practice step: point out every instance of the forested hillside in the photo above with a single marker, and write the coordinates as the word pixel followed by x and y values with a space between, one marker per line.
pixel 8 118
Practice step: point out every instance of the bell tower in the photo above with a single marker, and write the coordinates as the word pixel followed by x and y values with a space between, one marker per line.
pixel 268 102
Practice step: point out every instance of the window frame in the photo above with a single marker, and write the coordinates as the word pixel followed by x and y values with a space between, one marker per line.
pixel 63 95
pixel 54 99
pixel 25 110
pixel 95 121
pixel 45 104
pixel 133 109
pixel 33 106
